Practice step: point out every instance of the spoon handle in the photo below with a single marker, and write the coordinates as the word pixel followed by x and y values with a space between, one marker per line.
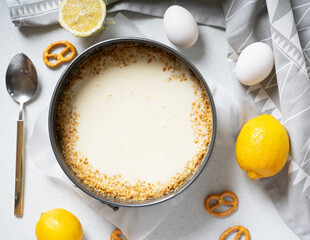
pixel 19 174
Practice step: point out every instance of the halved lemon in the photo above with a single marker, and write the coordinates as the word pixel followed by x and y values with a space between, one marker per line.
pixel 82 17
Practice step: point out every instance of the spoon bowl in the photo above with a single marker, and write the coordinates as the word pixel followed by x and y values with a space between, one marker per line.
pixel 21 78
pixel 22 85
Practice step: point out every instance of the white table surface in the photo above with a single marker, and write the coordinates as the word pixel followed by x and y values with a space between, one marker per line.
pixel 187 220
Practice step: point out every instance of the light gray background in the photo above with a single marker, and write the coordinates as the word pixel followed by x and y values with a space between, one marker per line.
pixel 189 219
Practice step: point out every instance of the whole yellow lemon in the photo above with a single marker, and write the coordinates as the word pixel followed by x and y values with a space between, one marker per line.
pixel 262 147
pixel 58 224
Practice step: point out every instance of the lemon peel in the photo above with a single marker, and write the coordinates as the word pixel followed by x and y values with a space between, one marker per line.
pixel 58 224
pixel 262 147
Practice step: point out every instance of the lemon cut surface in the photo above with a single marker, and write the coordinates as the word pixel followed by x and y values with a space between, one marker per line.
pixel 82 17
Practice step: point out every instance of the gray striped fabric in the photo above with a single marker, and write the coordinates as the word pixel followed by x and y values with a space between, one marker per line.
pixel 285 26
pixel 45 12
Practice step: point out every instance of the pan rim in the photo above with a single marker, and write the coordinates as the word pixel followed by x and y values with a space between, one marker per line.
pixel 53 104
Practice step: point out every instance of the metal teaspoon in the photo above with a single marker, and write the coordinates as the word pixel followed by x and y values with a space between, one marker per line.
pixel 22 84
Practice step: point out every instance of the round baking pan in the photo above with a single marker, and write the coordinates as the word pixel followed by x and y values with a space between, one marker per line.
pixel 54 138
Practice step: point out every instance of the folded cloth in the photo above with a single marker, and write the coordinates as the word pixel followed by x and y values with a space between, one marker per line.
pixel 36 12
pixel 45 12
pixel 285 26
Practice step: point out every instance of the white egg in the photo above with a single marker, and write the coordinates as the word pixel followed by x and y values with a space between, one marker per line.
pixel 254 64
pixel 180 26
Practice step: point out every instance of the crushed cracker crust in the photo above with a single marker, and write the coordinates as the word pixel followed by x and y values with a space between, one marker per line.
pixel 115 186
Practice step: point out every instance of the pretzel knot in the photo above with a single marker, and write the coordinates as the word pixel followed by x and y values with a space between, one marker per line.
pixel 58 56
pixel 115 235
pixel 241 230
pixel 219 200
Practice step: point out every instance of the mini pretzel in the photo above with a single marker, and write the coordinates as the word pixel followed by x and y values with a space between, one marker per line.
pixel 115 235
pixel 241 230
pixel 220 201
pixel 58 56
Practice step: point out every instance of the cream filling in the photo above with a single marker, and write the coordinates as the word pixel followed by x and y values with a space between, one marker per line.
pixel 134 122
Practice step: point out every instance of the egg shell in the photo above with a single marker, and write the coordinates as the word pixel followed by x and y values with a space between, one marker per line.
pixel 180 26
pixel 255 63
